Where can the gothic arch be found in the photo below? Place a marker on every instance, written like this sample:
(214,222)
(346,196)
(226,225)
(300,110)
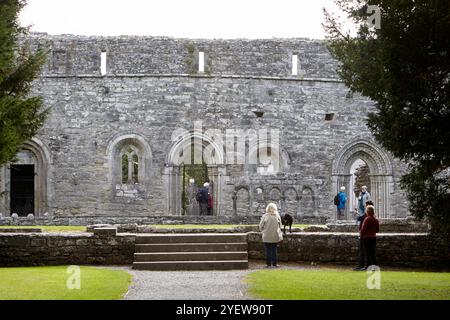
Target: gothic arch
(32,152)
(291,201)
(211,152)
(381,173)
(308,201)
(279,155)
(241,200)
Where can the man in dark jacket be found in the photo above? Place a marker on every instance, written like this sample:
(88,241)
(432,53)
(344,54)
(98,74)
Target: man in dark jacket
(202,198)
(370,228)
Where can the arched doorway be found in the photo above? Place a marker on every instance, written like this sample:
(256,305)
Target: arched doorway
(25,182)
(192,153)
(363,152)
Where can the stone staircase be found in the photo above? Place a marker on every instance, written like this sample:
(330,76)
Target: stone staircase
(200,251)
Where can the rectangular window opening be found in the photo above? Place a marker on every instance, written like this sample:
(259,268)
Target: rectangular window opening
(103,63)
(294,65)
(201,62)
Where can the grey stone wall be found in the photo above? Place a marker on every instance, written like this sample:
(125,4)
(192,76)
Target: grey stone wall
(393,249)
(403,250)
(57,249)
(152,88)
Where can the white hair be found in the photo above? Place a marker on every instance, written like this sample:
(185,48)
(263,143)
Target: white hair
(364,187)
(206,184)
(342,188)
(272,208)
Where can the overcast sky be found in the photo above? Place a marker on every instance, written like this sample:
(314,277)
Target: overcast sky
(179,18)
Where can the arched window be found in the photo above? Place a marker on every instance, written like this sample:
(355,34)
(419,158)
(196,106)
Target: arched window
(130,160)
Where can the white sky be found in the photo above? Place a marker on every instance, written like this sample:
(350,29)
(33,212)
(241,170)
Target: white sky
(177,18)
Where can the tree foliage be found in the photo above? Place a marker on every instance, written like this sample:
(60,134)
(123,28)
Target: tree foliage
(20,115)
(403,65)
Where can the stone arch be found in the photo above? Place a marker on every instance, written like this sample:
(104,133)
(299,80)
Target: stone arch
(380,167)
(276,197)
(116,148)
(241,201)
(279,157)
(291,201)
(258,200)
(307,202)
(212,153)
(32,152)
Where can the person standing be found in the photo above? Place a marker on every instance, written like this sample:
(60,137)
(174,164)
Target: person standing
(370,228)
(342,199)
(364,196)
(202,199)
(270,227)
(361,255)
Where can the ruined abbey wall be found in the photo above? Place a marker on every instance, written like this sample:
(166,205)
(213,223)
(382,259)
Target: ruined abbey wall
(152,87)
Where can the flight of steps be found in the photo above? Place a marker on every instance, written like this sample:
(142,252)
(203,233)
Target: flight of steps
(198,251)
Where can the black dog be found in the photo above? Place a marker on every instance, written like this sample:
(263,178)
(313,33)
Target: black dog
(287,220)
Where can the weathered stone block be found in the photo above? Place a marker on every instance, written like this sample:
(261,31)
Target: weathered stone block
(105,232)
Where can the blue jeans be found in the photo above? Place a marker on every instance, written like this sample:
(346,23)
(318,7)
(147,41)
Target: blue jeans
(271,253)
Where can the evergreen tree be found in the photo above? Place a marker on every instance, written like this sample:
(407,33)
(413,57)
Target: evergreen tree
(400,59)
(20,115)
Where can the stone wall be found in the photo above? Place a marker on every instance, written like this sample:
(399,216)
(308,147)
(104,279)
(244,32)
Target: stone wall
(83,220)
(152,88)
(403,250)
(57,249)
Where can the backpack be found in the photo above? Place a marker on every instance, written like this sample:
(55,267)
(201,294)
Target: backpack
(199,196)
(336,200)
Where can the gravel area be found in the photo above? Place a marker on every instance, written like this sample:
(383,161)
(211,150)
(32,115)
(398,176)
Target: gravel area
(187,285)
(194,285)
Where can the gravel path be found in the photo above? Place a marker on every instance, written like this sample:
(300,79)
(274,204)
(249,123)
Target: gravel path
(193,285)
(187,285)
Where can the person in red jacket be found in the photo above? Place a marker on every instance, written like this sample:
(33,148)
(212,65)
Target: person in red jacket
(370,228)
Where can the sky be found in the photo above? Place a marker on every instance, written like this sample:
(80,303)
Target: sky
(177,18)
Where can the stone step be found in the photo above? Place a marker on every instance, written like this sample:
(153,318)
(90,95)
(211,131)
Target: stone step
(191,265)
(190,256)
(191,238)
(192,247)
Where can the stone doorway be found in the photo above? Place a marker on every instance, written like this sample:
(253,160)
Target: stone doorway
(22,189)
(25,182)
(193,149)
(379,175)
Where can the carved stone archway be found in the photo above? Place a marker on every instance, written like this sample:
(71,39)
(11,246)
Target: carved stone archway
(212,154)
(32,152)
(381,174)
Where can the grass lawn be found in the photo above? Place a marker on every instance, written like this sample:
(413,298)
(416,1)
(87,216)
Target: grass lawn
(347,285)
(50,283)
(53,228)
(209,226)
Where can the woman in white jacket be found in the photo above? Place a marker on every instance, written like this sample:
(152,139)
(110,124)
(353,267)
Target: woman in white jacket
(270,227)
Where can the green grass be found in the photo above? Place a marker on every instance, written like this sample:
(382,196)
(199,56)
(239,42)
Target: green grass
(196,226)
(53,228)
(50,283)
(210,226)
(160,226)
(347,285)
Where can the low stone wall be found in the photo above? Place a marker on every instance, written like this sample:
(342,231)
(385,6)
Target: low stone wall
(106,247)
(404,250)
(142,220)
(20,249)
(386,226)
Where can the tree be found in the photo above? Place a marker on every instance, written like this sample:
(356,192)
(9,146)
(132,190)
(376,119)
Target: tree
(20,115)
(403,65)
